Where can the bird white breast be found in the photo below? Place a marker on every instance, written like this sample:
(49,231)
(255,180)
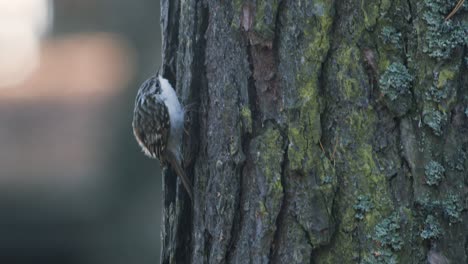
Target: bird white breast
(176,114)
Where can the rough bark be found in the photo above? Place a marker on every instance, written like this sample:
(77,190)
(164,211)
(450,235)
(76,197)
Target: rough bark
(319,131)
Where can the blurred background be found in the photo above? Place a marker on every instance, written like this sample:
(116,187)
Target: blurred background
(74,186)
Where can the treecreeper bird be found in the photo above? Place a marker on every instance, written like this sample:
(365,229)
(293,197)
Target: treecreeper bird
(158,124)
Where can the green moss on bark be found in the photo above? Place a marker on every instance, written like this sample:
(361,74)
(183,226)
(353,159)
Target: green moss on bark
(246,116)
(347,58)
(305,132)
(360,175)
(268,157)
(265,18)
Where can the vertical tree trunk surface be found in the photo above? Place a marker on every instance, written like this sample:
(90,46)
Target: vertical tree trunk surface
(319,131)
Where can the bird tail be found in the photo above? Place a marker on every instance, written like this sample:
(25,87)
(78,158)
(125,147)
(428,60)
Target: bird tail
(176,165)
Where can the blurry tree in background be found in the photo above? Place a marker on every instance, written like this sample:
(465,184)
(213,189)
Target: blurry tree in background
(74,187)
(326,131)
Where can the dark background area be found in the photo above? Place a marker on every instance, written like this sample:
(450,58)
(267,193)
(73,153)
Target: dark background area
(74,186)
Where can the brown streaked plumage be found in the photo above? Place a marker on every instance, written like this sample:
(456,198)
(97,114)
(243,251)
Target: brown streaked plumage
(158,125)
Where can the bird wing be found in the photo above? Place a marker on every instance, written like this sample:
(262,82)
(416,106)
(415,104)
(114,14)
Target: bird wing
(159,127)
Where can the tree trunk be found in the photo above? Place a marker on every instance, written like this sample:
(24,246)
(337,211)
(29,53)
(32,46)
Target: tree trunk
(319,131)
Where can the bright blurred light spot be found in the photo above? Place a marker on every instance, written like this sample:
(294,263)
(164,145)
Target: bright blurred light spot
(33,14)
(52,122)
(22,23)
(77,67)
(19,55)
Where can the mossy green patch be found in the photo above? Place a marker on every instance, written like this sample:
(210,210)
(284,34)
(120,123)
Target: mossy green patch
(363,182)
(347,58)
(362,124)
(236,19)
(304,133)
(346,249)
(238,5)
(370,10)
(443,91)
(246,116)
(362,172)
(303,137)
(265,18)
(261,209)
(319,39)
(326,174)
(445,76)
(268,156)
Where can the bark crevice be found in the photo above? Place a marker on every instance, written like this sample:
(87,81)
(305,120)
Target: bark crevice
(273,256)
